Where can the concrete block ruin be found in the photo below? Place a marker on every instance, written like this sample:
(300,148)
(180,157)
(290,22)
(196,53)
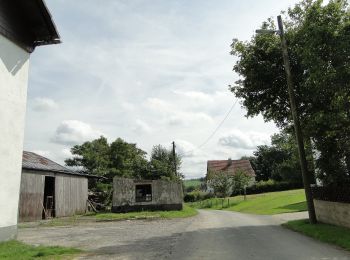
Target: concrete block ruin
(137,195)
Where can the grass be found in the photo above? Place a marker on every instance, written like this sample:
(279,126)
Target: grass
(192,182)
(264,204)
(97,217)
(19,251)
(185,212)
(335,235)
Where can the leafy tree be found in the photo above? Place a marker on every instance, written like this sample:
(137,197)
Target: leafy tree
(162,164)
(119,158)
(240,180)
(318,38)
(221,182)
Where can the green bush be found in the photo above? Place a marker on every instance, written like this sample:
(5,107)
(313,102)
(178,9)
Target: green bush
(197,195)
(271,185)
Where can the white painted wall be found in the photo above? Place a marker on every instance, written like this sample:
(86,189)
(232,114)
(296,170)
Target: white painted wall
(14,63)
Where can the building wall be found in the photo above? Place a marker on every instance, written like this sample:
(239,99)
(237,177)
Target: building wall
(166,195)
(71,194)
(335,213)
(14,63)
(31,196)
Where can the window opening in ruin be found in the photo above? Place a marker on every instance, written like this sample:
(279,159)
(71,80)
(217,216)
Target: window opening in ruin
(143,193)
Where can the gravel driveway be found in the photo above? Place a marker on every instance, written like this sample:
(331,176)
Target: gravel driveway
(209,235)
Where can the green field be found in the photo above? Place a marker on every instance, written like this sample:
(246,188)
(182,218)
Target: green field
(264,204)
(339,236)
(19,251)
(192,182)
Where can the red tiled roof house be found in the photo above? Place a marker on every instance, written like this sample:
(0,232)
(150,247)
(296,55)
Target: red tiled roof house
(231,167)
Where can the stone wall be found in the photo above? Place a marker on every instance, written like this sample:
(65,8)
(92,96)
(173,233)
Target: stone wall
(166,195)
(335,213)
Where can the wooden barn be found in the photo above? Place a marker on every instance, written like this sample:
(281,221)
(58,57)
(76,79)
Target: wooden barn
(50,190)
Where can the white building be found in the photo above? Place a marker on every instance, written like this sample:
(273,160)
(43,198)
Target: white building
(24,24)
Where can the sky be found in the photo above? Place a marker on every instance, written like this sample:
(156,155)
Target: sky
(147,71)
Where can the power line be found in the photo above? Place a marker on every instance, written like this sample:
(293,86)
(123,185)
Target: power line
(214,132)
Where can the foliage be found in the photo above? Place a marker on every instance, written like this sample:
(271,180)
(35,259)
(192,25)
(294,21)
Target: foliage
(240,180)
(197,195)
(265,204)
(335,235)
(270,186)
(318,37)
(221,182)
(123,159)
(162,164)
(18,250)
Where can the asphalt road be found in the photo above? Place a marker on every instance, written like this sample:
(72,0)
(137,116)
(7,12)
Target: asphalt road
(209,235)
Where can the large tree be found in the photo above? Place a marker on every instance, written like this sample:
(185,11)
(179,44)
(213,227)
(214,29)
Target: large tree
(318,37)
(119,158)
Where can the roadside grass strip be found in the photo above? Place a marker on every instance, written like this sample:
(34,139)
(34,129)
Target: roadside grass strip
(264,204)
(185,212)
(331,234)
(19,251)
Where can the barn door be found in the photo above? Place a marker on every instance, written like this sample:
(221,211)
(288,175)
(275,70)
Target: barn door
(49,198)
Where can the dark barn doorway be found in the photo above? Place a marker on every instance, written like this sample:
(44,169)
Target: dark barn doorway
(143,193)
(49,198)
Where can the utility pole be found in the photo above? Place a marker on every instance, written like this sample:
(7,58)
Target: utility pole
(174,156)
(298,132)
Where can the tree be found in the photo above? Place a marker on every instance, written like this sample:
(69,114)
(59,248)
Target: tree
(221,182)
(119,158)
(318,39)
(162,164)
(240,180)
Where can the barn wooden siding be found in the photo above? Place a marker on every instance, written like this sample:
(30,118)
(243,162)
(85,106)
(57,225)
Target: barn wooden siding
(71,194)
(31,197)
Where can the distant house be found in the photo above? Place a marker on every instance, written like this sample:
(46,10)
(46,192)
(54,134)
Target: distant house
(50,190)
(230,167)
(24,24)
(137,195)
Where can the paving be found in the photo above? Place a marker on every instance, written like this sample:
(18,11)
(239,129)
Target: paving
(212,234)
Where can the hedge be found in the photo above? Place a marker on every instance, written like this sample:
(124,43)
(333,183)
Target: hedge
(270,185)
(332,193)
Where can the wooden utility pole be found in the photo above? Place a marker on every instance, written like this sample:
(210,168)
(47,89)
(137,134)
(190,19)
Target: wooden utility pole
(298,132)
(174,156)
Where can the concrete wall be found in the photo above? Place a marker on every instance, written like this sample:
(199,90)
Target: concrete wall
(14,63)
(335,213)
(166,195)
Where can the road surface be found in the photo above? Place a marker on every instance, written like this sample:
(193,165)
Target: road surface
(209,235)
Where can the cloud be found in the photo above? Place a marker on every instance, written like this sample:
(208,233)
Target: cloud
(44,104)
(42,153)
(72,132)
(142,127)
(244,140)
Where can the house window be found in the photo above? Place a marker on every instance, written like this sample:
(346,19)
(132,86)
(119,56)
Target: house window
(143,192)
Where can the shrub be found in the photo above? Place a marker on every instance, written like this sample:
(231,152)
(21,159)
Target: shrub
(332,193)
(197,195)
(271,185)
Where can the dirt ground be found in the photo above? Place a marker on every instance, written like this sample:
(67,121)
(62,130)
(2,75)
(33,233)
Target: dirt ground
(211,234)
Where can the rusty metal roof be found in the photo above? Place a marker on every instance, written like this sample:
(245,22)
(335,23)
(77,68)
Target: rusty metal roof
(230,166)
(33,161)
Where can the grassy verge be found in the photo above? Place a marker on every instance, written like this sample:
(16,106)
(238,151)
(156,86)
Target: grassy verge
(20,251)
(185,212)
(264,204)
(97,217)
(335,235)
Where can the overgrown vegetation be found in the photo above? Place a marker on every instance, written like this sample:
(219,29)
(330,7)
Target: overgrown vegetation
(318,36)
(19,251)
(265,204)
(335,235)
